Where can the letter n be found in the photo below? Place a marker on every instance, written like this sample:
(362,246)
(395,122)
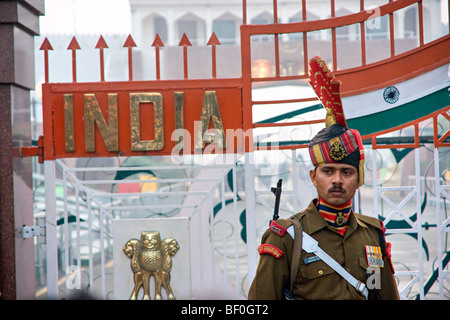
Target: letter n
(93,114)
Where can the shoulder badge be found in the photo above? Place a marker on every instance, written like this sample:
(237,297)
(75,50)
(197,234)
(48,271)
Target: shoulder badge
(275,227)
(270,249)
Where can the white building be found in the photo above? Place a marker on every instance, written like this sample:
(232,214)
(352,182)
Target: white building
(200,18)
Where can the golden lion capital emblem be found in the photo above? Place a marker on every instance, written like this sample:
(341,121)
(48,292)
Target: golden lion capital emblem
(149,257)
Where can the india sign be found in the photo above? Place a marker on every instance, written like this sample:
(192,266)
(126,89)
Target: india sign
(142,118)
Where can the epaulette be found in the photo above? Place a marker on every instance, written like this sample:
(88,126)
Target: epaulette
(377,223)
(279,226)
(300,214)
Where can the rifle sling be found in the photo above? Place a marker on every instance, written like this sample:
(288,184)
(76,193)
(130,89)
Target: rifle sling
(297,250)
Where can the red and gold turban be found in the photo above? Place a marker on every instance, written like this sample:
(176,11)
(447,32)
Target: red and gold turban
(336,143)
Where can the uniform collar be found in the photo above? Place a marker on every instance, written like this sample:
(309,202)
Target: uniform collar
(354,223)
(316,222)
(360,222)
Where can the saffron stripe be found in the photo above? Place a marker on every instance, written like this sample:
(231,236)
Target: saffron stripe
(318,154)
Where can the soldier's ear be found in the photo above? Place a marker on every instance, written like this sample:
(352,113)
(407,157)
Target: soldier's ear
(312,175)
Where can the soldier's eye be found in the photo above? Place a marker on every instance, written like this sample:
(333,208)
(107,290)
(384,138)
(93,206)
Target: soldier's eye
(348,172)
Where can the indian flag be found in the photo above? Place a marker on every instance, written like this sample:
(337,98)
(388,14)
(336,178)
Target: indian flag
(397,104)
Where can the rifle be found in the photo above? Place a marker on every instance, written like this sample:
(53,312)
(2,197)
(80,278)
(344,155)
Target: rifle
(287,293)
(277,192)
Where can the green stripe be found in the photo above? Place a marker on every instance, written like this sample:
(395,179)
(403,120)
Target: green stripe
(400,115)
(381,120)
(292,114)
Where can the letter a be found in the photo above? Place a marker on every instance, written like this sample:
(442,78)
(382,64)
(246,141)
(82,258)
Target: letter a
(210,111)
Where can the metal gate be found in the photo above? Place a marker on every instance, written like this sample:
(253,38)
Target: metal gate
(80,221)
(407,208)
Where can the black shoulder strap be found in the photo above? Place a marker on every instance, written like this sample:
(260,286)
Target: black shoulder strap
(382,241)
(383,251)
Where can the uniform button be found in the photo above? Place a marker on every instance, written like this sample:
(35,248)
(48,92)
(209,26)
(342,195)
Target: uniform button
(320,271)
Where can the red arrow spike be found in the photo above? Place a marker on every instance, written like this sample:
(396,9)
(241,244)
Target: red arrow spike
(157,42)
(129,42)
(213,40)
(101,44)
(73,45)
(46,46)
(184,41)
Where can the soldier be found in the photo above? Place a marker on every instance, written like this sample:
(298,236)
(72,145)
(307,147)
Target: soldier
(359,263)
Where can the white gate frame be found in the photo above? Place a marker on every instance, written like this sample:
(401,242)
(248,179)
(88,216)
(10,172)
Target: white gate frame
(416,227)
(442,226)
(220,278)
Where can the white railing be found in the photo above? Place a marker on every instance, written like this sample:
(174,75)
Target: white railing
(443,229)
(412,193)
(86,214)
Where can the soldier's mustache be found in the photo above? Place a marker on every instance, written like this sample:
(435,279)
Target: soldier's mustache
(336,189)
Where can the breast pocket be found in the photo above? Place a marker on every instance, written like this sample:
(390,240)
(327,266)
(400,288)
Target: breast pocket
(315,269)
(363,265)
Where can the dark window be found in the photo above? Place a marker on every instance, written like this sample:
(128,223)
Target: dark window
(190,28)
(160,27)
(225,31)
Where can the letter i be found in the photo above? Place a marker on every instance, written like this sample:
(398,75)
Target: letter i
(179,113)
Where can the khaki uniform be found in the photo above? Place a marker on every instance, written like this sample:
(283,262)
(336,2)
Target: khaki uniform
(315,279)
